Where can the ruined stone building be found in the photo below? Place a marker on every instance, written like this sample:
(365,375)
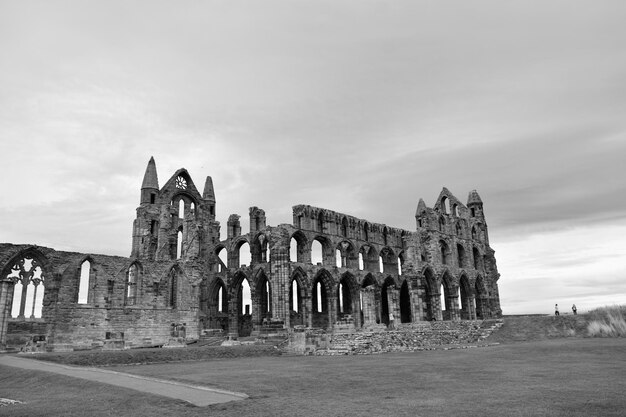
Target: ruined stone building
(184,277)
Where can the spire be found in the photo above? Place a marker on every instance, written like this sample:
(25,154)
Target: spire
(421,206)
(150,179)
(474,198)
(208,194)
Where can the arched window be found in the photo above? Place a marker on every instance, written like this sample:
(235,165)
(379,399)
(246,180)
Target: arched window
(459,230)
(294,295)
(445,205)
(366,232)
(381,267)
(246,298)
(131,284)
(83,284)
(28,290)
(179,244)
(317,253)
(473,232)
(293,250)
(220,300)
(181,209)
(361,264)
(442,223)
(318,289)
(245,256)
(399,266)
(338,259)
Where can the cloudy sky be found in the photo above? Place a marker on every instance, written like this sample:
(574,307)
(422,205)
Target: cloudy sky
(361,107)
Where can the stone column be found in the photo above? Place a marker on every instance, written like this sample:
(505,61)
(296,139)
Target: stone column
(6,296)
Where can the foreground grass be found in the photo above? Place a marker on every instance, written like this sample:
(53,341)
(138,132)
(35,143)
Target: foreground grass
(607,322)
(564,377)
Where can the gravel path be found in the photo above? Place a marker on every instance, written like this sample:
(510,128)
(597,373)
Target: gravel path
(194,394)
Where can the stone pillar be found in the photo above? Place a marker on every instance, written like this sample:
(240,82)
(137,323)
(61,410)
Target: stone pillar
(332,310)
(6,296)
(279,263)
(369,305)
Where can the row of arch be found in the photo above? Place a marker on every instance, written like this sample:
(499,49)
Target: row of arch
(323,300)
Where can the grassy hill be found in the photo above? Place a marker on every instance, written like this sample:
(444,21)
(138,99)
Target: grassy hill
(602,322)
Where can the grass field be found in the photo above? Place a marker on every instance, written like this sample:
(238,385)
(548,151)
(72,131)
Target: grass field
(558,377)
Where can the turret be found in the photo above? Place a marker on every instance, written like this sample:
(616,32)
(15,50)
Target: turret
(209,195)
(420,214)
(475,205)
(150,184)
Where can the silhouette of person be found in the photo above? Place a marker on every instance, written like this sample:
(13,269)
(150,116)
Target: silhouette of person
(574,308)
(556,310)
(391,321)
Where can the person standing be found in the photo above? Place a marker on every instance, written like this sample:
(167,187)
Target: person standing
(574,308)
(391,322)
(556,310)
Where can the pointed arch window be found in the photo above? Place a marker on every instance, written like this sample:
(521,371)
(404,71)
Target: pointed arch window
(83,284)
(132,277)
(28,291)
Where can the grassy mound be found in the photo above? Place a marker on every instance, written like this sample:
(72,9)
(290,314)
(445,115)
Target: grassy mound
(607,322)
(144,356)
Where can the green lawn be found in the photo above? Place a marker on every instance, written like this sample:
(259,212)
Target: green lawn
(563,377)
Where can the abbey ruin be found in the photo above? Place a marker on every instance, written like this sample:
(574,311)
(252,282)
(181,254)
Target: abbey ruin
(184,279)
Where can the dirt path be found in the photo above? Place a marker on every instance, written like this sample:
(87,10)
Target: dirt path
(194,394)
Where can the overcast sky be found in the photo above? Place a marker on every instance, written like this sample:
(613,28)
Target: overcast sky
(361,107)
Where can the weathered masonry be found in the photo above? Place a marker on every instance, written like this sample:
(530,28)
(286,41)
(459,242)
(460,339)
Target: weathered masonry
(184,279)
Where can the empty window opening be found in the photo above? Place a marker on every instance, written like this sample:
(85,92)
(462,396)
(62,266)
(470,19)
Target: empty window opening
(294,295)
(83,285)
(181,209)
(399,266)
(445,205)
(442,223)
(246,299)
(29,288)
(344,227)
(179,244)
(320,223)
(293,250)
(152,198)
(318,290)
(212,210)
(192,208)
(131,285)
(316,253)
(154,227)
(245,256)
(341,298)
(361,264)
(380,264)
(455,210)
(338,259)
(220,302)
(473,232)
(442,298)
(473,211)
